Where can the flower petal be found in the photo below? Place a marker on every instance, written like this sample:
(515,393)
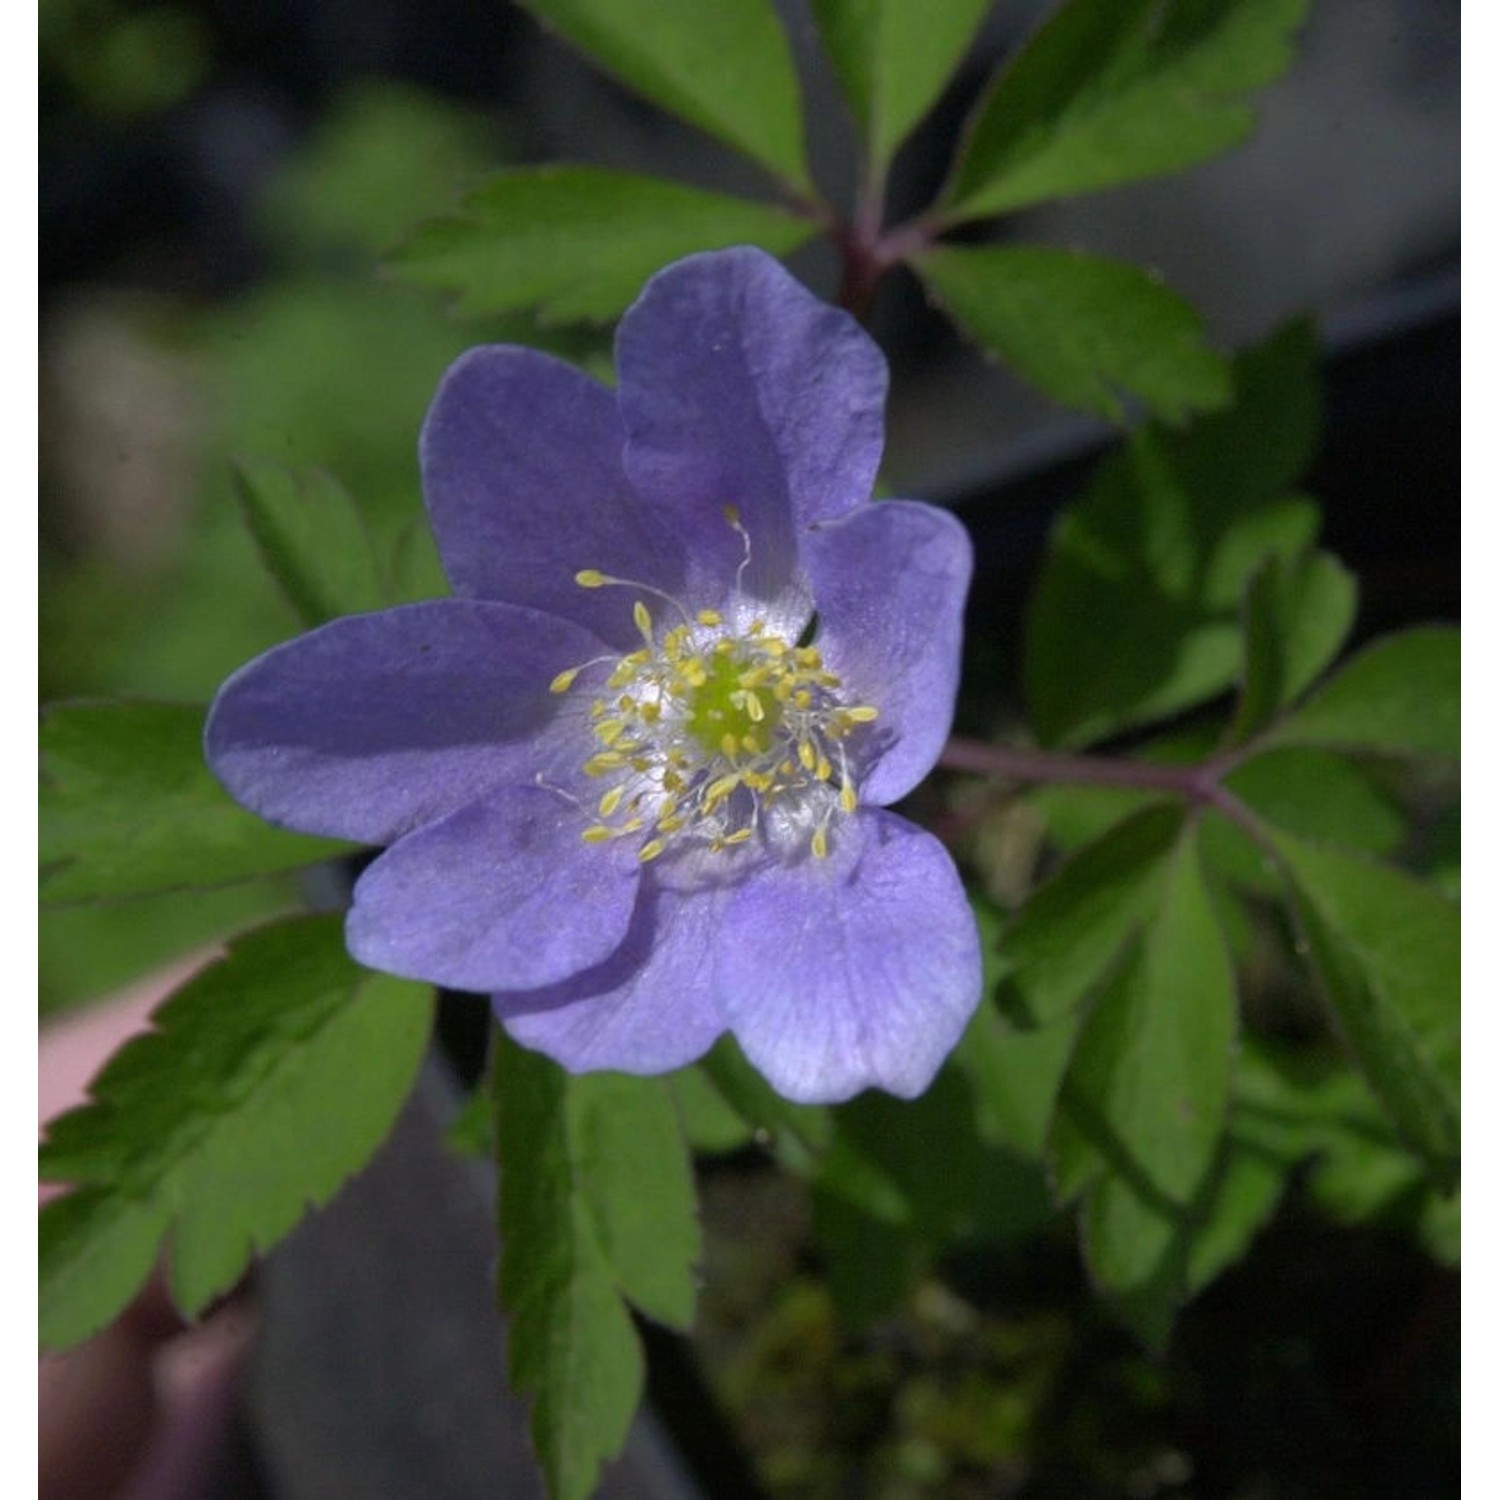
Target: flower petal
(855,972)
(522,473)
(740,388)
(376,724)
(648,1008)
(501,893)
(890,581)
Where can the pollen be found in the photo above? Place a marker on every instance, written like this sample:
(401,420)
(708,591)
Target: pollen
(710,731)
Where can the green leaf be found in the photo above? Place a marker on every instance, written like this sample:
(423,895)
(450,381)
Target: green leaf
(725,68)
(1109,91)
(1143,1109)
(269,1078)
(128,808)
(709,1123)
(1136,614)
(312,540)
(1146,1093)
(596,1205)
(1399,696)
(1241,1200)
(1069,934)
(1311,793)
(576,243)
(1298,614)
(1015,1076)
(634,1172)
(798,1133)
(1385,949)
(1086,330)
(893,58)
(572,1345)
(1305,1101)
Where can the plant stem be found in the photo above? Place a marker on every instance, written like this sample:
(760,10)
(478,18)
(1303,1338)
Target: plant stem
(1200,784)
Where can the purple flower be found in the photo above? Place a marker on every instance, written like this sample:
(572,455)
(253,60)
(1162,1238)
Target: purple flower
(633,777)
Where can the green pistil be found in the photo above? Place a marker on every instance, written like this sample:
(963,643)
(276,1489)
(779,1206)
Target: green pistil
(723,713)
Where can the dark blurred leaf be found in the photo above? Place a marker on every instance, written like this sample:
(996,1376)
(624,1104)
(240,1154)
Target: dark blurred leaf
(268,1079)
(893,58)
(1399,696)
(1108,91)
(1385,949)
(1090,332)
(129,808)
(1136,614)
(312,540)
(576,243)
(709,1123)
(724,68)
(1298,614)
(1068,935)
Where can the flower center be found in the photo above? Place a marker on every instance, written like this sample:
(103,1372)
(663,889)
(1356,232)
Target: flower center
(704,730)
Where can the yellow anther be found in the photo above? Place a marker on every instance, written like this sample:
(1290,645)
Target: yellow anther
(752,706)
(597,833)
(642,617)
(610,801)
(670,825)
(719,790)
(710,617)
(823,770)
(651,849)
(609,730)
(806,754)
(728,744)
(604,761)
(820,843)
(739,836)
(591,578)
(847,798)
(564,680)
(752,744)
(862,713)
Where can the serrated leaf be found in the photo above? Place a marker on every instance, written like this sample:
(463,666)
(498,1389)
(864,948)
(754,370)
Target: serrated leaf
(1068,935)
(1136,612)
(576,243)
(1148,1086)
(1298,614)
(1385,949)
(128,808)
(1088,331)
(572,1346)
(725,68)
(269,1078)
(596,1206)
(1399,696)
(634,1173)
(312,539)
(1110,91)
(893,58)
